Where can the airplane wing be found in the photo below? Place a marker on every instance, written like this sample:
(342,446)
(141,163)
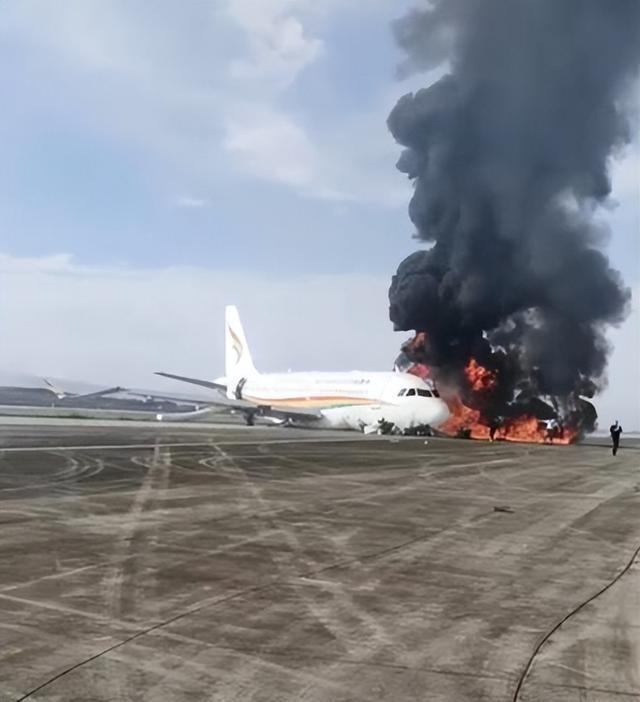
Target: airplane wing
(98,393)
(288,414)
(182,416)
(278,415)
(294,414)
(64,394)
(282,413)
(194,381)
(248,408)
(182,400)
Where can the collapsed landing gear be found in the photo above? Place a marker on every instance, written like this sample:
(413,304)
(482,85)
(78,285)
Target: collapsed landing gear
(418,430)
(379,427)
(385,427)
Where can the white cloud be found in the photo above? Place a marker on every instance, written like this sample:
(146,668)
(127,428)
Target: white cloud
(189,202)
(274,147)
(201,91)
(118,325)
(90,35)
(202,88)
(279,46)
(270,146)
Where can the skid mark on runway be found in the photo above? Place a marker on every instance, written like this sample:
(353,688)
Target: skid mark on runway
(316,580)
(217,665)
(65,609)
(299,655)
(99,447)
(332,603)
(60,575)
(221,600)
(74,470)
(547,640)
(343,619)
(121,581)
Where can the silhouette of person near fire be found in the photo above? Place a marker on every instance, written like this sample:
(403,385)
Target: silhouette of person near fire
(615,430)
(553,430)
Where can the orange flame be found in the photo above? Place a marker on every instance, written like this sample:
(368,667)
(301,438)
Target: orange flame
(480,379)
(468,423)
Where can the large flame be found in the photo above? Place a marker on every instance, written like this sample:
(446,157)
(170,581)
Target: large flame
(480,379)
(466,422)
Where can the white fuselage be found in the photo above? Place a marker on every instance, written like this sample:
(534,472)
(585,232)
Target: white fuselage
(353,400)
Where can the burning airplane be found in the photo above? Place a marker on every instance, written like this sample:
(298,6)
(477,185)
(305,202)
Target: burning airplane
(479,409)
(509,154)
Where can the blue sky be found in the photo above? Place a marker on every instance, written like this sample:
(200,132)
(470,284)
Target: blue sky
(148,144)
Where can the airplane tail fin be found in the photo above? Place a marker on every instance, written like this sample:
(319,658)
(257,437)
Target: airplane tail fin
(238,361)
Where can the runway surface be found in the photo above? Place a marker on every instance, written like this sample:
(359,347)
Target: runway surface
(167,564)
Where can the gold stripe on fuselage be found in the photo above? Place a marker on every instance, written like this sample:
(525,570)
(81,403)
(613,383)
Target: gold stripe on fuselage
(319,401)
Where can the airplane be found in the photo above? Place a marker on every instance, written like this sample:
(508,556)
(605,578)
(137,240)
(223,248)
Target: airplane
(357,400)
(148,397)
(64,395)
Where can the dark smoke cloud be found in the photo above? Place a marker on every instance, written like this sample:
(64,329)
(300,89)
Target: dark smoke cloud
(509,153)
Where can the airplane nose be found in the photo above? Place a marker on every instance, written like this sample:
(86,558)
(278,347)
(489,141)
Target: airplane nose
(443,413)
(434,413)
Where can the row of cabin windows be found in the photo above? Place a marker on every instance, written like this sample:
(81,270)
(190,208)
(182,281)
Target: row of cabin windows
(412,392)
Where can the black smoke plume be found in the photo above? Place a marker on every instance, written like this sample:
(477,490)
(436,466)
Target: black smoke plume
(509,153)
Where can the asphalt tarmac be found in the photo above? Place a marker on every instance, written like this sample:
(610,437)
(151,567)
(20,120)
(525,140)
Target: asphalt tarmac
(166,564)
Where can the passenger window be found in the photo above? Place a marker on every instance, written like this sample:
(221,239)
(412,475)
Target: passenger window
(411,392)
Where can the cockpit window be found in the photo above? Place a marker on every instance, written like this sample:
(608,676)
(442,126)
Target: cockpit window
(436,393)
(411,392)
(402,392)
(424,393)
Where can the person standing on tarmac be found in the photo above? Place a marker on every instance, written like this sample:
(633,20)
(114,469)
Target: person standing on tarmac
(615,430)
(552,430)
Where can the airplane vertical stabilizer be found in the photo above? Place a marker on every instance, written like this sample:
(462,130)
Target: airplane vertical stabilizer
(238,361)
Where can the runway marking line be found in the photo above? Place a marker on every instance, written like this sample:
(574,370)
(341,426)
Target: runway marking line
(204,444)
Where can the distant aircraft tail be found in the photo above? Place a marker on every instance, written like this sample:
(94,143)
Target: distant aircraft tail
(238,362)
